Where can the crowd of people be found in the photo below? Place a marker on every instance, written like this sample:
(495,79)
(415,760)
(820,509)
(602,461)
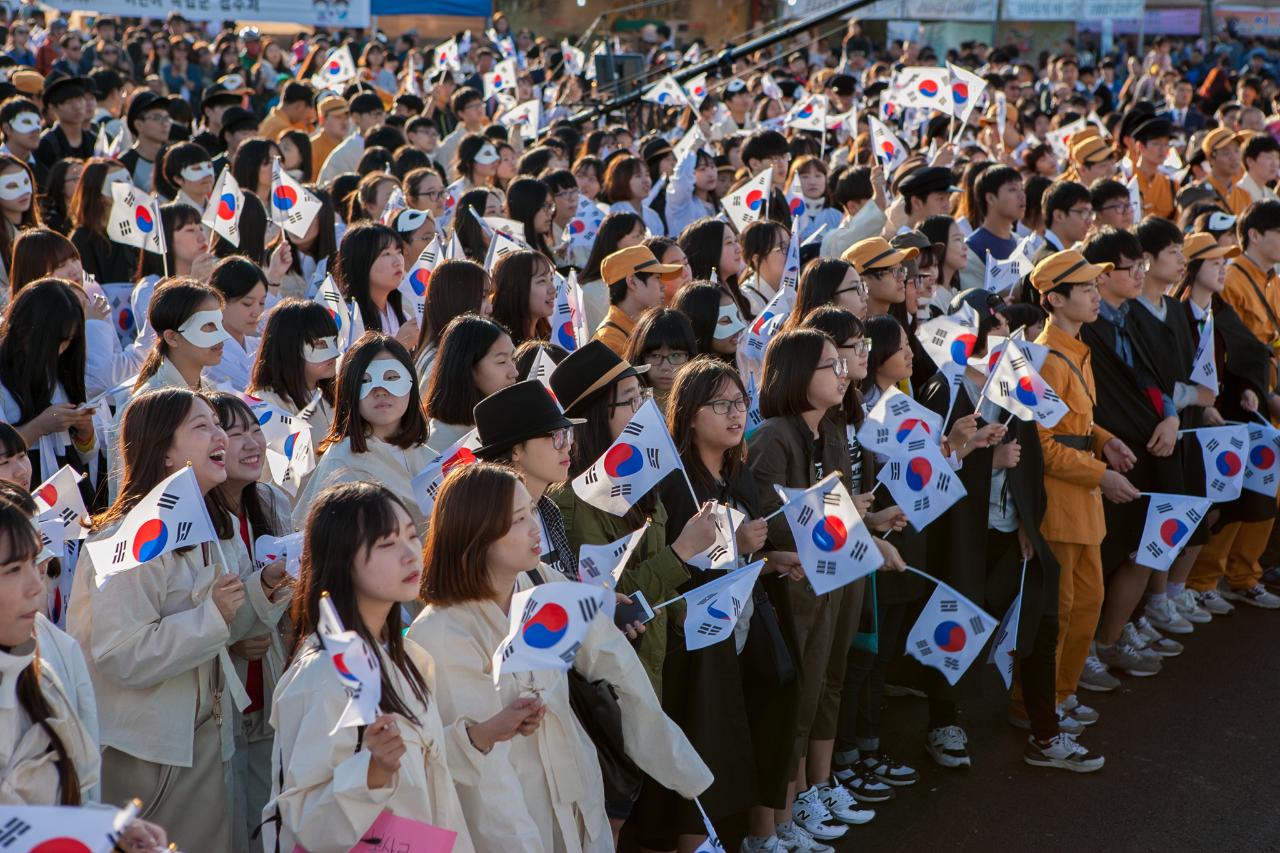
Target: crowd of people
(1128,197)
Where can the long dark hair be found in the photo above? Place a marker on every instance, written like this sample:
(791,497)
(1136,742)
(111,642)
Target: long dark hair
(819,281)
(174,215)
(302,142)
(347,422)
(700,302)
(173,302)
(789,362)
(39,319)
(841,325)
(233,412)
(360,247)
(703,243)
(30,216)
(512,276)
(90,209)
(886,338)
(55,202)
(280,366)
(344,521)
(248,160)
(37,252)
(525,199)
(457,288)
(252,234)
(592,439)
(466,226)
(452,392)
(695,386)
(614,227)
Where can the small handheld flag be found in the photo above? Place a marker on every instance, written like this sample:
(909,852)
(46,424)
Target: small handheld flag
(1004,648)
(548,624)
(667,93)
(293,207)
(713,609)
(723,553)
(831,540)
(337,70)
(638,460)
(891,420)
(1223,450)
(966,88)
(59,498)
(747,203)
(1204,367)
(920,479)
(1171,519)
(426,485)
(358,667)
(1017,387)
(889,149)
(135,219)
(1264,452)
(269,549)
(950,633)
(947,340)
(222,215)
(413,288)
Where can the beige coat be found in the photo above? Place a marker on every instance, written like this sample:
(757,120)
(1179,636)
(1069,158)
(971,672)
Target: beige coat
(382,463)
(324,802)
(153,639)
(867,222)
(543,793)
(28,763)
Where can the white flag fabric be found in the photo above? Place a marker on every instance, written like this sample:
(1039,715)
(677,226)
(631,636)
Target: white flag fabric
(268,549)
(966,88)
(172,515)
(602,565)
(222,215)
(59,498)
(713,844)
(345,315)
(500,245)
(754,339)
(754,418)
(747,203)
(1204,367)
(1264,451)
(452,195)
(292,205)
(358,668)
(62,829)
(636,462)
(1171,519)
(832,542)
(995,348)
(888,148)
(922,87)
(712,609)
(101,144)
(541,370)
(527,116)
(920,479)
(585,224)
(575,61)
(135,219)
(791,266)
(122,143)
(1017,387)
(447,55)
(891,420)
(696,87)
(947,340)
(809,113)
(1135,198)
(769,87)
(548,625)
(568,320)
(1004,648)
(666,92)
(337,71)
(1223,450)
(795,198)
(1059,138)
(950,633)
(1002,276)
(426,485)
(501,79)
(290,458)
(413,288)
(723,553)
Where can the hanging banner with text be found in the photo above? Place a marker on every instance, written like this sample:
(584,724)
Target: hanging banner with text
(312,13)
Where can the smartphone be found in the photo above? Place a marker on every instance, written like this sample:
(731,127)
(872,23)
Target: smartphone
(637,611)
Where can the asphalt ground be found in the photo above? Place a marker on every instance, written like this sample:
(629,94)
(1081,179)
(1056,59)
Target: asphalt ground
(1192,762)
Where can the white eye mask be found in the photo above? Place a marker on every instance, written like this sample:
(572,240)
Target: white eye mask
(389,375)
(198,172)
(325,349)
(25,122)
(116,176)
(193,329)
(728,323)
(15,186)
(487,155)
(409,221)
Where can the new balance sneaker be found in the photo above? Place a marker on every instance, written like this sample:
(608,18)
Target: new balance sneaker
(889,771)
(1064,753)
(946,745)
(1066,723)
(1095,676)
(1078,711)
(1213,602)
(812,815)
(1190,608)
(1124,657)
(862,783)
(1165,617)
(757,844)
(842,805)
(1157,642)
(1131,636)
(1256,595)
(792,838)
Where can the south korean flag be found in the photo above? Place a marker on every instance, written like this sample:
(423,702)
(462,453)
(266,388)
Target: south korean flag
(1017,387)
(920,479)
(636,462)
(602,565)
(426,484)
(712,610)
(892,419)
(723,553)
(1223,450)
(548,624)
(832,542)
(1171,519)
(1264,454)
(950,633)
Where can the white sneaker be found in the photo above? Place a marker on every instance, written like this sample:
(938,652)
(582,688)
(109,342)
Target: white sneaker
(1213,602)
(1062,752)
(1165,617)
(1067,724)
(813,816)
(843,806)
(1078,711)
(792,838)
(1139,643)
(1190,608)
(946,745)
(1257,595)
(756,844)
(1157,642)
(1096,677)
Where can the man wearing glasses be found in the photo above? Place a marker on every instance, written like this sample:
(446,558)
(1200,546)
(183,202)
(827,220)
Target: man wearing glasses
(634,287)
(148,120)
(1068,213)
(880,266)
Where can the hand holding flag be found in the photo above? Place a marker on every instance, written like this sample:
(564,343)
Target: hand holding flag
(548,624)
(638,460)
(358,667)
(222,215)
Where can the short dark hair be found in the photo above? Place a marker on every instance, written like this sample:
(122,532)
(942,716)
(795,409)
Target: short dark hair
(1105,190)
(420,123)
(295,92)
(764,144)
(789,362)
(1259,144)
(1061,196)
(13,107)
(1157,234)
(992,181)
(365,103)
(1260,216)
(463,98)
(1110,245)
(852,183)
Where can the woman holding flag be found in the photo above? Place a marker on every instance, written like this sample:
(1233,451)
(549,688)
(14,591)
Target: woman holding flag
(543,791)
(186,256)
(296,364)
(368,271)
(155,636)
(107,261)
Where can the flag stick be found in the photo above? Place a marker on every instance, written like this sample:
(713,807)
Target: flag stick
(689,483)
(924,575)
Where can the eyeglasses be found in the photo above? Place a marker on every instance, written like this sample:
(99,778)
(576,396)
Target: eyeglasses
(434,195)
(675,359)
(860,289)
(899,272)
(1137,267)
(722,407)
(567,194)
(635,402)
(838,366)
(1082,212)
(919,282)
(561,438)
(1115,206)
(861,346)
(163,118)
(549,207)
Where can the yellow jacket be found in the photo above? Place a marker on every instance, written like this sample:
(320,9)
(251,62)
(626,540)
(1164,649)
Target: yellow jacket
(615,330)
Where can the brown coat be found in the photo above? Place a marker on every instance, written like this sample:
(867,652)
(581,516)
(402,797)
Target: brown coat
(1072,477)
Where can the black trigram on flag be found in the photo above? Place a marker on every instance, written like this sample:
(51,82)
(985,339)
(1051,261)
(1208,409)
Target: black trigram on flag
(827,567)
(508,650)
(1005,390)
(331,297)
(589,568)
(1237,443)
(951,663)
(977,626)
(126,227)
(570,653)
(13,829)
(184,530)
(167,501)
(944,482)
(295,216)
(754,343)
(858,551)
(895,470)
(899,407)
(949,605)
(831,499)
(708,629)
(651,456)
(805,516)
(1164,507)
(1193,514)
(921,505)
(528,610)
(633,429)
(915,445)
(588,607)
(924,647)
(620,491)
(717,553)
(1154,549)
(1212,445)
(882,435)
(122,549)
(68,516)
(939,337)
(592,475)
(1017,362)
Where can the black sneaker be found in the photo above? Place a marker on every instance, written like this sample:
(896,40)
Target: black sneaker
(889,771)
(862,784)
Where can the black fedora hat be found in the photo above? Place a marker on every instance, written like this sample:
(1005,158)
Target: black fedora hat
(517,413)
(588,371)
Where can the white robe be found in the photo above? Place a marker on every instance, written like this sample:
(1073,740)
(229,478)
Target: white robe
(381,463)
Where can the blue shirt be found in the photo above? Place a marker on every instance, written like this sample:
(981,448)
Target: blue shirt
(982,241)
